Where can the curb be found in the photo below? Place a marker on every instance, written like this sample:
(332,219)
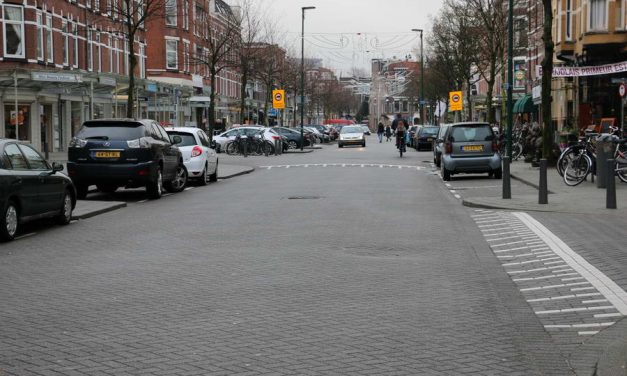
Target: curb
(94,213)
(299,151)
(526,182)
(244,172)
(472,204)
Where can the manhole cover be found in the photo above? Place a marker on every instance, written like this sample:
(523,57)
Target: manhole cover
(303,198)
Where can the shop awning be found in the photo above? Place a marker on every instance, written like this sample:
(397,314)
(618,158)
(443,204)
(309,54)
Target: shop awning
(524,105)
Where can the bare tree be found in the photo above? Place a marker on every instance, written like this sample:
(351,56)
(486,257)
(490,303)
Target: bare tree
(220,48)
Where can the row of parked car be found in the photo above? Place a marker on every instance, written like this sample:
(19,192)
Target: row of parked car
(461,148)
(108,153)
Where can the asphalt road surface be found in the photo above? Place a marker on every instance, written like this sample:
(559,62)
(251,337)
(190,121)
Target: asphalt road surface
(348,261)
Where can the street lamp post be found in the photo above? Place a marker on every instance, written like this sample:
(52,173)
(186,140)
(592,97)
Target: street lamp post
(422,79)
(302,78)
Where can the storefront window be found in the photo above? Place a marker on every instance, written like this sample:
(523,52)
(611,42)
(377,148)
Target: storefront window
(22,121)
(76,117)
(99,111)
(13,31)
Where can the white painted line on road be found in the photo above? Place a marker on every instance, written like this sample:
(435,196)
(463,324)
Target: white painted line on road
(521,263)
(458,197)
(566,274)
(500,233)
(557,286)
(582,289)
(588,333)
(478,215)
(562,270)
(605,315)
(610,290)
(572,279)
(578,309)
(507,237)
(593,325)
(544,253)
(555,262)
(533,278)
(511,249)
(549,258)
(509,243)
(563,297)
(594,301)
(515,256)
(489,221)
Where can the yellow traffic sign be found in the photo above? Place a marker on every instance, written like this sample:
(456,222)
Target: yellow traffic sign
(278,99)
(455,101)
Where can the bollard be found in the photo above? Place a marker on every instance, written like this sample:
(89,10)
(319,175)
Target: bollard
(280,146)
(276,147)
(245,148)
(544,191)
(610,183)
(507,184)
(265,149)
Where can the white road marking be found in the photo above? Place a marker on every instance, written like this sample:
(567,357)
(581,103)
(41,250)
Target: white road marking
(557,286)
(511,249)
(571,326)
(604,315)
(595,301)
(578,309)
(563,297)
(588,333)
(507,237)
(610,290)
(582,289)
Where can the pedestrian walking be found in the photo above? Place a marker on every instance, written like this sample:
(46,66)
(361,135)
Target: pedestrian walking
(388,133)
(380,130)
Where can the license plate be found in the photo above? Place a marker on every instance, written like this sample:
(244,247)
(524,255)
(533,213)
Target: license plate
(429,139)
(472,148)
(107,154)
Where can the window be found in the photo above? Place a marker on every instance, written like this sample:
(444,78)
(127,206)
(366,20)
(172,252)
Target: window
(75,52)
(140,11)
(40,37)
(597,15)
(98,52)
(35,160)
(49,41)
(185,56)
(116,55)
(171,58)
(569,20)
(66,44)
(90,51)
(97,5)
(13,31)
(15,156)
(110,53)
(170,12)
(186,14)
(142,61)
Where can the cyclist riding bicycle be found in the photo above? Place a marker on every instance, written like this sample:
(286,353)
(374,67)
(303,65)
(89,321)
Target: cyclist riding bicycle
(400,134)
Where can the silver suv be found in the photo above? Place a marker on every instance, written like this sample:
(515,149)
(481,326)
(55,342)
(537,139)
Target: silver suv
(470,148)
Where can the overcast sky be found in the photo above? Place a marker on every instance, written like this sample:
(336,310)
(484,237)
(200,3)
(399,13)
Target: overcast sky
(348,33)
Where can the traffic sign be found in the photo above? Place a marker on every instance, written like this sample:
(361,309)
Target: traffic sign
(278,99)
(455,101)
(622,89)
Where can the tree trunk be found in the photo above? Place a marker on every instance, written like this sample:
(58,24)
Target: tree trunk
(212,104)
(468,91)
(242,103)
(547,75)
(488,101)
(131,76)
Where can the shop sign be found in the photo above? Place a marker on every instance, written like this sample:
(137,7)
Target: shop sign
(109,81)
(197,80)
(536,93)
(56,77)
(587,71)
(151,88)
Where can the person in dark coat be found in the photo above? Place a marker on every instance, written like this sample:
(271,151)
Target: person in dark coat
(380,130)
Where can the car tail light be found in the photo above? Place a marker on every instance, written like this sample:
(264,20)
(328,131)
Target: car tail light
(196,151)
(138,143)
(144,172)
(276,137)
(495,147)
(78,142)
(448,148)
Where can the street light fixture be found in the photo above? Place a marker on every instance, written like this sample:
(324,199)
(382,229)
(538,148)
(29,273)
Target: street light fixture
(302,79)
(422,79)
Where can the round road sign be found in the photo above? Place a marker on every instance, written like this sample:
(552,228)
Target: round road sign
(455,98)
(622,89)
(278,97)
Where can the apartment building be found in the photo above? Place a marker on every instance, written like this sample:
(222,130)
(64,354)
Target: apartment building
(389,89)
(60,64)
(178,56)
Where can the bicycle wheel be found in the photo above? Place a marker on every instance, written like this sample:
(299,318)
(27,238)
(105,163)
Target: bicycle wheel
(517,150)
(565,158)
(621,163)
(577,170)
(232,148)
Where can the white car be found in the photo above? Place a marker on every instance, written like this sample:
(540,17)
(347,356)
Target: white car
(200,160)
(225,137)
(352,135)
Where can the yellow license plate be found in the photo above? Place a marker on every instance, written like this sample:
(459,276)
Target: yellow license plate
(429,139)
(472,148)
(107,154)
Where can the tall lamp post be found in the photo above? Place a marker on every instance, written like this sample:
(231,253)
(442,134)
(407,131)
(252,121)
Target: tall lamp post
(422,79)
(302,78)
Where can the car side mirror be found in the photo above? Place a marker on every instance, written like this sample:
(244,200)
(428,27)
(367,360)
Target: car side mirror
(176,139)
(57,167)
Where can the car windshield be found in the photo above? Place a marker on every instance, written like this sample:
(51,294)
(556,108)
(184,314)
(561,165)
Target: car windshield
(188,139)
(352,130)
(430,131)
(471,133)
(111,131)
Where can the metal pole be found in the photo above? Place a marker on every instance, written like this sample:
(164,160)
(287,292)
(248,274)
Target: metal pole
(610,199)
(422,82)
(622,118)
(91,100)
(302,78)
(544,191)
(17,118)
(510,76)
(507,187)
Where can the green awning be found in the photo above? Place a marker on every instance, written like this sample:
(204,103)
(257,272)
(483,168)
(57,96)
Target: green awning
(524,105)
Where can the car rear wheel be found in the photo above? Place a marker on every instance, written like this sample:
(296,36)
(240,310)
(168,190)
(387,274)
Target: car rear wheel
(214,177)
(65,216)
(9,221)
(179,182)
(204,179)
(155,187)
(291,144)
(446,174)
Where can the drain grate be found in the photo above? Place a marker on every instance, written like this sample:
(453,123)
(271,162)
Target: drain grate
(304,198)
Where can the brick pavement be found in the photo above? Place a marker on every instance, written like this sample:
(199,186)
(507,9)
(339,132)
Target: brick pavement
(240,280)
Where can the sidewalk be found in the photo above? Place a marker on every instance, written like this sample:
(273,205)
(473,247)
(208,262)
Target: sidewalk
(89,208)
(585,198)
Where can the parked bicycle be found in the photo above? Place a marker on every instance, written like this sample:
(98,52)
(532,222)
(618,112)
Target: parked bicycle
(581,162)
